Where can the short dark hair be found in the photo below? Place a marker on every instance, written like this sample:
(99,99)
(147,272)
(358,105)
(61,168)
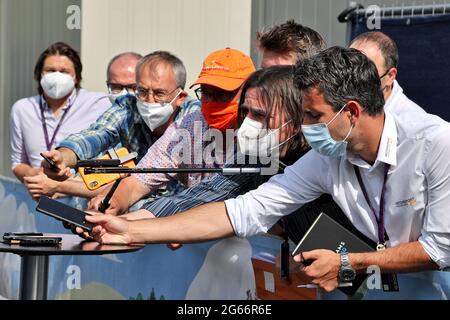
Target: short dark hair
(342,74)
(387,46)
(276,87)
(58,49)
(177,65)
(118,56)
(290,37)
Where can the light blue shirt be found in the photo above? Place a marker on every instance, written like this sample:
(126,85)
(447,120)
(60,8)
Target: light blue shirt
(26,131)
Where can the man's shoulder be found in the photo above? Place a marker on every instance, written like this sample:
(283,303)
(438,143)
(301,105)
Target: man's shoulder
(25,103)
(125,101)
(402,104)
(191,120)
(93,97)
(419,125)
(189,105)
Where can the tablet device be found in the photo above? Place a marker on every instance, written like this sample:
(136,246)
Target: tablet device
(37,240)
(63,212)
(325,233)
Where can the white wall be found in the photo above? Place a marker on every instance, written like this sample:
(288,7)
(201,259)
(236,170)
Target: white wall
(189,29)
(27,28)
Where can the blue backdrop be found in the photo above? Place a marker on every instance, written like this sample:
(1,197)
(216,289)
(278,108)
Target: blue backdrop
(424,69)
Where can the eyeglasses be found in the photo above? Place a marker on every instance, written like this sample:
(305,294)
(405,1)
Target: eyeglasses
(117,87)
(159,96)
(384,74)
(218,95)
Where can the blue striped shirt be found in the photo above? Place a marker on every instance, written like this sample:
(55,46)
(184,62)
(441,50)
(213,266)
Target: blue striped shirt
(120,124)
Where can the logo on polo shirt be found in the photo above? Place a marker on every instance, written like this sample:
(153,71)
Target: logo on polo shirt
(408,202)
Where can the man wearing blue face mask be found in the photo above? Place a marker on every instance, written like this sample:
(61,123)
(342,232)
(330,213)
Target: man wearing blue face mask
(319,138)
(392,181)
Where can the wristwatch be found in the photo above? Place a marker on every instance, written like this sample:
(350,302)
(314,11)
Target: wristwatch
(346,272)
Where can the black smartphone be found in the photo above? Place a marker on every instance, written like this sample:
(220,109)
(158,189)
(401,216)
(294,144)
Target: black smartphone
(35,240)
(52,164)
(9,234)
(63,212)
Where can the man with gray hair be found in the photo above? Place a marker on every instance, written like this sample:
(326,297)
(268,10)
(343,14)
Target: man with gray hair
(127,123)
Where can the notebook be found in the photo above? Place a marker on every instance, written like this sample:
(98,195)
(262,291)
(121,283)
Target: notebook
(325,233)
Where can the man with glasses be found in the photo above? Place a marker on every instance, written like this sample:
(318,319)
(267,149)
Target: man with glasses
(383,52)
(402,163)
(185,142)
(121,75)
(132,122)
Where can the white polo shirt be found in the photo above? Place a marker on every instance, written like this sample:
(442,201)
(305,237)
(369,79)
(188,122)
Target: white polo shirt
(417,198)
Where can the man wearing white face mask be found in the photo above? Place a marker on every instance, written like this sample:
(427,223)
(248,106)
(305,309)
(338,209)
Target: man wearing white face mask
(393,181)
(123,123)
(282,44)
(223,74)
(121,80)
(40,122)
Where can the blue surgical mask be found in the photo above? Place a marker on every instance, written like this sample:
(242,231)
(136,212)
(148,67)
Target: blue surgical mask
(319,138)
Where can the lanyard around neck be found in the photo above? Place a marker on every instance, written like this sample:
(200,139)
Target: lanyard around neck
(49,143)
(380,219)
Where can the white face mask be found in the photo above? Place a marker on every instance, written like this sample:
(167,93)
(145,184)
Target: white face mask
(156,114)
(57,85)
(255,140)
(114,96)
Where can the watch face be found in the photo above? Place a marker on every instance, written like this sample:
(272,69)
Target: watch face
(347,274)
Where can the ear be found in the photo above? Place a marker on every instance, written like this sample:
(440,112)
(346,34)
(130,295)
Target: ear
(392,74)
(181,97)
(354,110)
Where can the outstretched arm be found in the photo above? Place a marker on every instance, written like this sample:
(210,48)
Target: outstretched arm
(203,223)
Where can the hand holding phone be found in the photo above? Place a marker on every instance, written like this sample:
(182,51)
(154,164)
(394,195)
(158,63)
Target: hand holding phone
(52,164)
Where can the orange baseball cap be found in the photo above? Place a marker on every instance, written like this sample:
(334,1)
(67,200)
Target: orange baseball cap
(226,69)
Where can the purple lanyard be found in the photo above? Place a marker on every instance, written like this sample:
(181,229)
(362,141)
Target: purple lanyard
(48,143)
(380,220)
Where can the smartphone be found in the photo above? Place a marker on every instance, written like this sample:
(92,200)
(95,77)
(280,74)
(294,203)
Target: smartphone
(9,234)
(52,164)
(36,240)
(63,212)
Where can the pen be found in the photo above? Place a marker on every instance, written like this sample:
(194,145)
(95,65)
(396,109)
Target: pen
(105,202)
(315,286)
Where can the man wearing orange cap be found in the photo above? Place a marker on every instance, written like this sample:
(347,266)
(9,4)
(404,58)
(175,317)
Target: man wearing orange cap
(223,74)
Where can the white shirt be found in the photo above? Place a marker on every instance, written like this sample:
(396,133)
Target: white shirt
(417,198)
(27,133)
(398,103)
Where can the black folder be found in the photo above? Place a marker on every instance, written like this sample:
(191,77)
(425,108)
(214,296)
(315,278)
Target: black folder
(325,233)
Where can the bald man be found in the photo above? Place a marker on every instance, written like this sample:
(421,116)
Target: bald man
(121,74)
(383,52)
